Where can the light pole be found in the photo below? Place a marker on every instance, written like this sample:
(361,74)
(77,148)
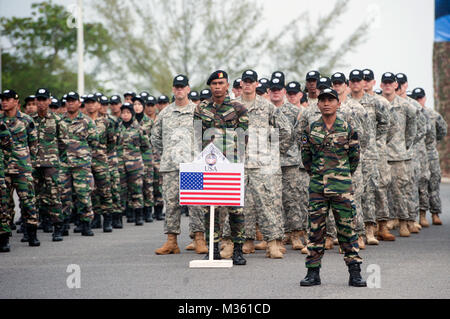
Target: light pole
(80,47)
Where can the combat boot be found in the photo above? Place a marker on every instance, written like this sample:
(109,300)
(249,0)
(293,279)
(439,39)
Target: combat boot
(117,221)
(129,212)
(296,241)
(58,232)
(66,227)
(287,239)
(273,250)
(370,236)
(436,220)
(413,229)
(25,237)
(261,245)
(78,226)
(216,253)
(329,243)
(227,249)
(305,250)
(185,210)
(32,236)
(281,246)
(47,226)
(4,243)
(383,231)
(97,221)
(249,247)
(238,258)
(86,228)
(404,231)
(169,247)
(191,246)
(312,278)
(139,221)
(423,219)
(148,218)
(107,223)
(158,213)
(259,236)
(200,243)
(361,243)
(355,279)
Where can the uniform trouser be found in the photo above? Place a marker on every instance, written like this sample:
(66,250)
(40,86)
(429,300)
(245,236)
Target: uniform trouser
(381,193)
(398,190)
(131,182)
(434,187)
(293,191)
(48,192)
(115,188)
(5,217)
(157,184)
(80,182)
(413,167)
(236,220)
(263,205)
(343,210)
(172,221)
(101,196)
(424,178)
(148,185)
(23,184)
(368,196)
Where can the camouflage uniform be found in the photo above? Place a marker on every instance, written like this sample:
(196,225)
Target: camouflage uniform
(330,157)
(18,168)
(47,167)
(147,157)
(113,165)
(79,140)
(224,119)
(397,155)
(263,196)
(157,179)
(5,150)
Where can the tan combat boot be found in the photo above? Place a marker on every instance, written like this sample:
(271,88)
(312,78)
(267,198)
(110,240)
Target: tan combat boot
(370,236)
(200,243)
(227,251)
(329,243)
(191,246)
(413,229)
(261,246)
(281,246)
(361,243)
(336,241)
(423,219)
(383,231)
(169,247)
(248,247)
(436,220)
(296,241)
(259,236)
(287,239)
(273,250)
(404,231)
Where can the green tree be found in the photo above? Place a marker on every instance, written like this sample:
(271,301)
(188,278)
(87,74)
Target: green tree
(41,51)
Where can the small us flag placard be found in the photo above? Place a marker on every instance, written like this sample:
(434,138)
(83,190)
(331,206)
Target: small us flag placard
(221,184)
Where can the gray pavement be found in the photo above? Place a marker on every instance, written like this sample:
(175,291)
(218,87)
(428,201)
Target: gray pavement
(122,264)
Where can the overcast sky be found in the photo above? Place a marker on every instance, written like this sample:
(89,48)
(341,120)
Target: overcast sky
(400,40)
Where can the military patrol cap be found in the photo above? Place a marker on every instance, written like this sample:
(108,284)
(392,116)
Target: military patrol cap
(194,96)
(261,88)
(237,83)
(91,98)
(323,83)
(418,93)
(163,99)
(181,80)
(356,75)
(328,92)
(104,100)
(293,87)
(30,98)
(150,100)
(205,94)
(313,75)
(278,75)
(144,94)
(115,99)
(55,103)
(368,75)
(388,77)
(378,91)
(129,93)
(128,106)
(250,75)
(73,96)
(9,94)
(98,95)
(219,74)
(401,78)
(276,83)
(338,77)
(409,93)
(138,98)
(264,81)
(42,92)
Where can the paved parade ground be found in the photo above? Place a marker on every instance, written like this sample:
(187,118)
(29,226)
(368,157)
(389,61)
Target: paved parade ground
(122,264)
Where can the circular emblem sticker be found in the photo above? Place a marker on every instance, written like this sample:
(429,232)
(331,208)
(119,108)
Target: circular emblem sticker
(211,159)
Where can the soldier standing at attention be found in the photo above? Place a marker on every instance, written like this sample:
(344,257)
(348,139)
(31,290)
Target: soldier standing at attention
(5,218)
(330,154)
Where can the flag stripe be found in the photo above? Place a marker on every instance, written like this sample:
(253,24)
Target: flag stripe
(225,174)
(209,204)
(220,179)
(204,193)
(222,184)
(211,198)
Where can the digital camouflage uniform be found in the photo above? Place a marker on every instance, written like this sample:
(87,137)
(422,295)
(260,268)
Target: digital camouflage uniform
(18,168)
(47,167)
(147,157)
(221,122)
(79,140)
(330,157)
(5,151)
(113,165)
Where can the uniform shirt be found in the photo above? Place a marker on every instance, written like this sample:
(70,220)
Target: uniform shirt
(438,130)
(5,150)
(112,148)
(24,143)
(49,140)
(330,156)
(292,156)
(79,138)
(392,126)
(421,126)
(146,127)
(131,145)
(106,140)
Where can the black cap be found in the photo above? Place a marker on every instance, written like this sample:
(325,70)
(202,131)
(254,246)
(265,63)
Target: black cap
(104,100)
(98,95)
(378,91)
(276,83)
(205,94)
(388,77)
(323,83)
(144,94)
(73,96)
(194,96)
(328,92)
(401,78)
(163,99)
(30,98)
(279,75)
(91,98)
(261,88)
(250,75)
(129,93)
(293,87)
(356,75)
(368,75)
(180,80)
(115,99)
(237,83)
(313,75)
(150,100)
(55,103)
(418,93)
(138,98)
(9,94)
(219,74)
(409,94)
(264,81)
(129,107)
(338,77)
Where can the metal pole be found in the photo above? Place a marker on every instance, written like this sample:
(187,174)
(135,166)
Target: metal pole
(1,74)
(80,47)
(211,233)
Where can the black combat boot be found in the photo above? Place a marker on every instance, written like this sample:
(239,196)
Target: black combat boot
(148,215)
(355,279)
(66,227)
(216,252)
(139,221)
(78,227)
(12,226)
(25,237)
(86,228)
(312,277)
(32,236)
(117,221)
(4,243)
(58,232)
(97,221)
(47,225)
(130,215)
(107,221)
(238,258)
(158,213)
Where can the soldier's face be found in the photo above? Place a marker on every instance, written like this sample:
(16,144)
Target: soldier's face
(237,91)
(368,85)
(91,107)
(277,95)
(138,108)
(247,87)
(115,107)
(128,99)
(356,86)
(219,88)
(294,98)
(73,106)
(181,92)
(311,85)
(103,109)
(339,87)
(422,101)
(42,104)
(150,110)
(328,105)
(126,115)
(31,107)
(388,87)
(9,104)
